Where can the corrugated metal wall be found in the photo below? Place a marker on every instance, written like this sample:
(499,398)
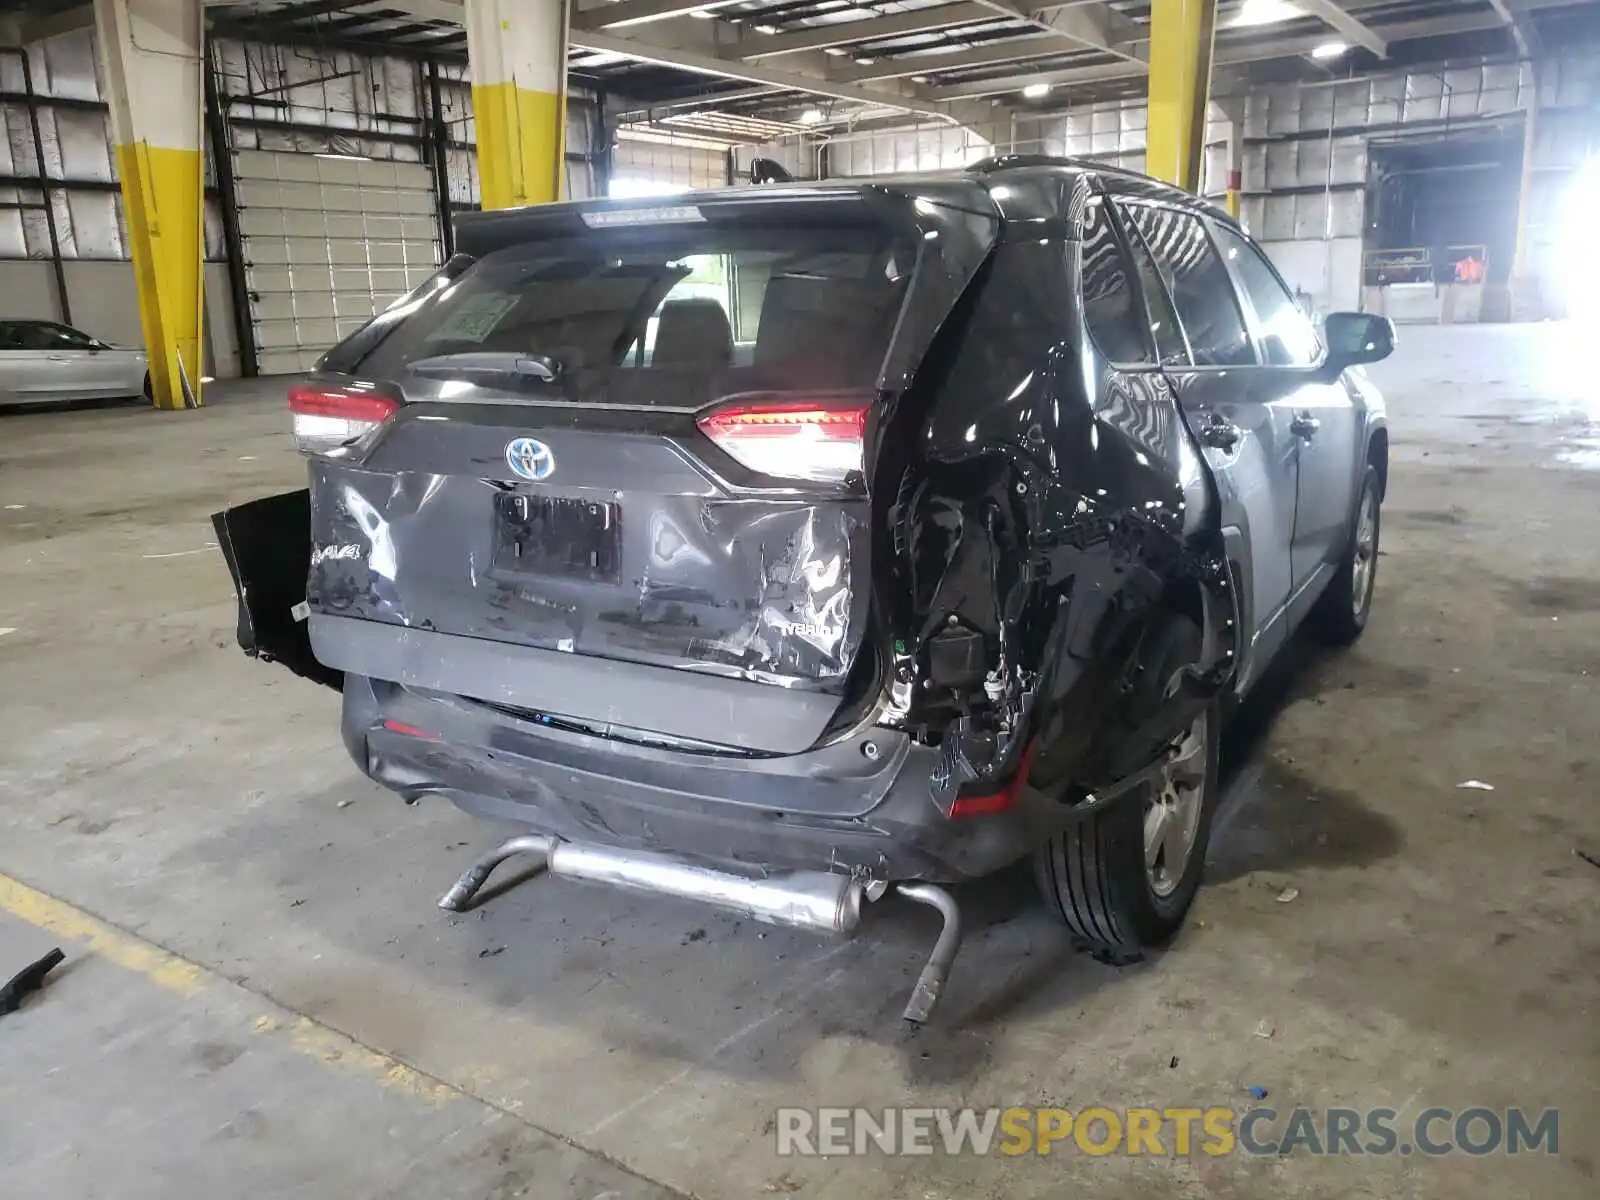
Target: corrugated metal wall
(75,129)
(638,165)
(289,99)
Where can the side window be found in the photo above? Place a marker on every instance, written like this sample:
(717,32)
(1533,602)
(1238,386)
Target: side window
(1202,290)
(1110,304)
(1287,338)
(64,337)
(32,336)
(1171,347)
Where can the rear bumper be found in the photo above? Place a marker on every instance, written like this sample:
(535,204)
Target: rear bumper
(840,808)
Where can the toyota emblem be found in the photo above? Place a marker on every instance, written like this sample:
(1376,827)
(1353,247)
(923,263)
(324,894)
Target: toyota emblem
(530,458)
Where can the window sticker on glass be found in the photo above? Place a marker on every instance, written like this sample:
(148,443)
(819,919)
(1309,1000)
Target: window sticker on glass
(475,319)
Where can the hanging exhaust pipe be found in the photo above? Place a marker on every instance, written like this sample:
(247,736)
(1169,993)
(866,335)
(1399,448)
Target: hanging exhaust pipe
(816,900)
(821,901)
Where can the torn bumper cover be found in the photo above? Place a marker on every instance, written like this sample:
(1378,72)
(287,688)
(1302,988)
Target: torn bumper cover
(267,544)
(860,805)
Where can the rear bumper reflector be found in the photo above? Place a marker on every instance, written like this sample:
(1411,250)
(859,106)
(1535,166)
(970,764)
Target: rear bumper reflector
(410,730)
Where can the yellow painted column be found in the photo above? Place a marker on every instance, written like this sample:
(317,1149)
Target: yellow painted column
(150,55)
(1235,179)
(517,56)
(1181,37)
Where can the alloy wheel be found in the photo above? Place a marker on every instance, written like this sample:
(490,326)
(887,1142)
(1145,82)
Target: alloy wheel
(1364,570)
(1172,814)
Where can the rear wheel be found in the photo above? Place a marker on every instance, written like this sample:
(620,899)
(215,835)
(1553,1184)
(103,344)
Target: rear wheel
(1123,879)
(148,392)
(1341,613)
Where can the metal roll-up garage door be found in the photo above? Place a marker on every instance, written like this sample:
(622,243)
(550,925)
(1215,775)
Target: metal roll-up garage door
(328,241)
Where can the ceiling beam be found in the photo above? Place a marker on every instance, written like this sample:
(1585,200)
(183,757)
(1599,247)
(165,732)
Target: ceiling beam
(1235,54)
(956,58)
(1521,29)
(606,15)
(33,27)
(707,63)
(1100,73)
(1337,16)
(1084,25)
(846,33)
(649,112)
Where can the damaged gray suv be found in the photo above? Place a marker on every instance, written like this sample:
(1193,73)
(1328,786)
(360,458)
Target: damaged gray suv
(793,548)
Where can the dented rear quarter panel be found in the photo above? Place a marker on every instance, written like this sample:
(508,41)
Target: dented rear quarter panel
(1059,507)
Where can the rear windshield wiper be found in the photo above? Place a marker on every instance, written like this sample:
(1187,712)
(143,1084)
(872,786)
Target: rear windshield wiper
(489,364)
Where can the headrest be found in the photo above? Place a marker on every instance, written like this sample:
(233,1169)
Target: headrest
(693,333)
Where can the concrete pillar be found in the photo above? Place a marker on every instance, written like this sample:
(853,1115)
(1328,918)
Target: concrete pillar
(151,56)
(517,55)
(1181,36)
(1521,300)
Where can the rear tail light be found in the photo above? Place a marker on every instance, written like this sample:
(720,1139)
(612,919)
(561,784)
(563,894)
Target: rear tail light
(325,418)
(987,801)
(819,440)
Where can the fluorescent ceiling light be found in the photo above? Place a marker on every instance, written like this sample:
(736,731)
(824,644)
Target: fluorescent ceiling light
(919,79)
(1266,12)
(836,51)
(1034,90)
(1329,50)
(811,116)
(769,29)
(703,14)
(865,61)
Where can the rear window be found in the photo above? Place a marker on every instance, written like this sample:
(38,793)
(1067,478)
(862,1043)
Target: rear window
(700,314)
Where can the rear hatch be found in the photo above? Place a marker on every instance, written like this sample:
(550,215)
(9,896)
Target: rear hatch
(619,468)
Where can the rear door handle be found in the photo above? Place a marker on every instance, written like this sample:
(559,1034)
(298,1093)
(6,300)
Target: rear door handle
(1219,433)
(1304,426)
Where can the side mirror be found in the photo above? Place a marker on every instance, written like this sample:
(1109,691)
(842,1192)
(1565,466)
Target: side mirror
(1355,338)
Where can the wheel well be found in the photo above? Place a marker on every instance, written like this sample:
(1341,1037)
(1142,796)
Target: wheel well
(1378,456)
(1184,596)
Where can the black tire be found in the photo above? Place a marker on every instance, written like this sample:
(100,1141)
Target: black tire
(149,393)
(1093,874)
(1341,614)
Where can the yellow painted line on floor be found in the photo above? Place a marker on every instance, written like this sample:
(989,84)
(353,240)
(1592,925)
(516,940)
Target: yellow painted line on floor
(183,977)
(305,1035)
(169,971)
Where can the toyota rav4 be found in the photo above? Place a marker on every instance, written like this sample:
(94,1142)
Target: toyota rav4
(790,547)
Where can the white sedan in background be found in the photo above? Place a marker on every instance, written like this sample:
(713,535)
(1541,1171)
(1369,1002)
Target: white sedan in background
(41,361)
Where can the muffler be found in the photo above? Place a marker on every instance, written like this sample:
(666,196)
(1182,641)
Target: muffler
(817,900)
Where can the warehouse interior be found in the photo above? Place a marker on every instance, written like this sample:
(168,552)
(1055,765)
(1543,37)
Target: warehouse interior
(259,995)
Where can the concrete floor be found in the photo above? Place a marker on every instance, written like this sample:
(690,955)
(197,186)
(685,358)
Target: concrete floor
(263,1000)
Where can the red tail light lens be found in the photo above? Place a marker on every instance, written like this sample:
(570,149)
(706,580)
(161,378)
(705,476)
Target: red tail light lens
(325,418)
(819,440)
(983,804)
